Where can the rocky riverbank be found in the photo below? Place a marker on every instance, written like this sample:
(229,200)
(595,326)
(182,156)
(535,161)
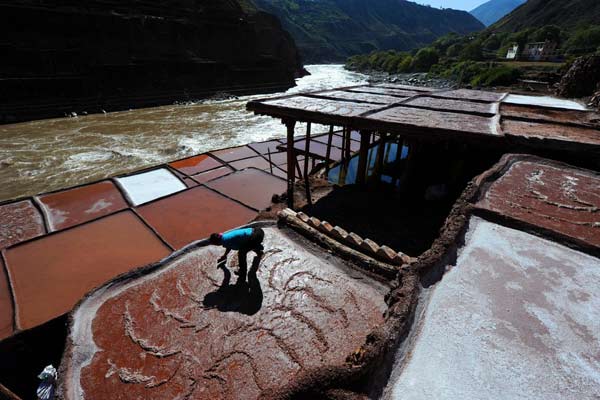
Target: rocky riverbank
(415,79)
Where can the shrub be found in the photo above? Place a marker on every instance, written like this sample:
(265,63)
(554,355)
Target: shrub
(503,51)
(496,76)
(472,52)
(521,37)
(548,32)
(463,71)
(406,64)
(425,59)
(454,50)
(583,40)
(390,65)
(492,43)
(443,43)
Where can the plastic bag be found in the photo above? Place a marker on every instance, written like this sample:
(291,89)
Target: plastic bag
(45,390)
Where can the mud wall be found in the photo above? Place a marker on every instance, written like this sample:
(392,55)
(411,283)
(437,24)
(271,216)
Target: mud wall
(63,57)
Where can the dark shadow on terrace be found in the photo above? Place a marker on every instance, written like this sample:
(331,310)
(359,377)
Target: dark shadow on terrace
(409,191)
(244,297)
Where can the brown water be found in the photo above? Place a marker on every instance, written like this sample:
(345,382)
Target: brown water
(45,155)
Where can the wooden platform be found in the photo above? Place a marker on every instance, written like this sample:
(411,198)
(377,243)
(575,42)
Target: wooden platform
(426,113)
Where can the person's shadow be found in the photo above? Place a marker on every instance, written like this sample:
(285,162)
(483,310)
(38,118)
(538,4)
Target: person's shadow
(242,297)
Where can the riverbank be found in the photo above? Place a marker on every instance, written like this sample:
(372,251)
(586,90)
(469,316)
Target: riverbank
(414,79)
(534,78)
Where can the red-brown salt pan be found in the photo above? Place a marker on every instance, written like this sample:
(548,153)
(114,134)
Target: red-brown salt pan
(256,162)
(555,197)
(195,165)
(251,187)
(189,182)
(235,153)
(19,221)
(194,214)
(264,147)
(186,332)
(6,306)
(51,274)
(75,206)
(212,174)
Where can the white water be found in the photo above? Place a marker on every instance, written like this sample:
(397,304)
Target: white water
(45,155)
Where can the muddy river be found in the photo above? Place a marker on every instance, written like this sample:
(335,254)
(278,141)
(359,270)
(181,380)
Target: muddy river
(45,155)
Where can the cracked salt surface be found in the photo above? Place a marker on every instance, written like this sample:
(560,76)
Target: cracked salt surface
(517,317)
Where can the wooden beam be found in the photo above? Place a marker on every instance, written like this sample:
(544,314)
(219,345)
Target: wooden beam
(270,161)
(306,156)
(298,167)
(363,155)
(291,176)
(328,153)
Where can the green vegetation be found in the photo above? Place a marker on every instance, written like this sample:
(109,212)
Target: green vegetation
(584,40)
(480,59)
(332,30)
(568,15)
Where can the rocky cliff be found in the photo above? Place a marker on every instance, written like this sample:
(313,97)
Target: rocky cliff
(333,30)
(73,56)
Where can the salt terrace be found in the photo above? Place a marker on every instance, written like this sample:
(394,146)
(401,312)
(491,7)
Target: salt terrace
(162,335)
(503,304)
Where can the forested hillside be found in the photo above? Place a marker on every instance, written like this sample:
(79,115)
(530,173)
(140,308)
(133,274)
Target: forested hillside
(567,14)
(331,30)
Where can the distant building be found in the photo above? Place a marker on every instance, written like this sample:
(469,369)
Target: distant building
(539,51)
(512,53)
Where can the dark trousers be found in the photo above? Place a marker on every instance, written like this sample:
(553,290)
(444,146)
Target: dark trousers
(254,244)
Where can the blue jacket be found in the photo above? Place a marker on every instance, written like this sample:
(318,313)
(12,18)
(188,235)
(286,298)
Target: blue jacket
(236,239)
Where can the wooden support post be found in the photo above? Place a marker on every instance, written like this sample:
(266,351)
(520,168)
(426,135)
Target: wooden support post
(270,161)
(328,153)
(290,125)
(363,155)
(380,156)
(348,147)
(343,145)
(298,167)
(306,157)
(398,162)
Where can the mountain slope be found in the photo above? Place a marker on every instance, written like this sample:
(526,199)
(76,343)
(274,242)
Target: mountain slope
(112,55)
(567,14)
(493,10)
(332,30)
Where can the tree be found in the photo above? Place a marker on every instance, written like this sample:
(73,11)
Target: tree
(425,59)
(548,32)
(492,43)
(454,50)
(472,52)
(406,64)
(583,41)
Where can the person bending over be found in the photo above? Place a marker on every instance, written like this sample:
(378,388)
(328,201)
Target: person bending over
(243,240)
